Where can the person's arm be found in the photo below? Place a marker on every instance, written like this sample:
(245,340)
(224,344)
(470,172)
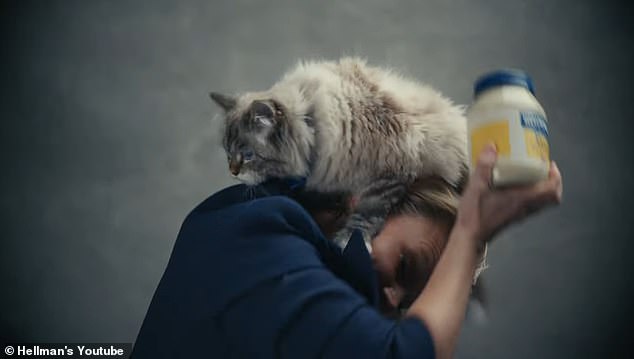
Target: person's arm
(482,212)
(442,303)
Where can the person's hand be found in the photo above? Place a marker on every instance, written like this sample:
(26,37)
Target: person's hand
(483,210)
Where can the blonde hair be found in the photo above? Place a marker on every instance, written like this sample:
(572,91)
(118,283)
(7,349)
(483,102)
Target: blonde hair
(428,196)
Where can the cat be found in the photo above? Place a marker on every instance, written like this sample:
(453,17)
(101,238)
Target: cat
(346,126)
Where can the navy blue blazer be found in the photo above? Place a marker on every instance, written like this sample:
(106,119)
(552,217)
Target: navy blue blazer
(252,276)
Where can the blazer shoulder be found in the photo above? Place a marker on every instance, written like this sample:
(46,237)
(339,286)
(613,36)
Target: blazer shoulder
(223,198)
(278,213)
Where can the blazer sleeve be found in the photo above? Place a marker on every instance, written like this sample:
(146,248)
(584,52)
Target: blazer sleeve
(309,312)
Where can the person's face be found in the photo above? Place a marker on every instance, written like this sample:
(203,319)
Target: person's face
(405,254)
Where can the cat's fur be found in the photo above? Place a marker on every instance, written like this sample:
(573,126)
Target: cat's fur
(346,127)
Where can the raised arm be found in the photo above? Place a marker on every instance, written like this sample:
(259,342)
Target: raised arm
(482,213)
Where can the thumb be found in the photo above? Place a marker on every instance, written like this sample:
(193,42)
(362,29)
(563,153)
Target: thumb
(484,167)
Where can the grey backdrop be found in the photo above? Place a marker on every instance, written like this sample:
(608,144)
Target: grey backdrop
(108,141)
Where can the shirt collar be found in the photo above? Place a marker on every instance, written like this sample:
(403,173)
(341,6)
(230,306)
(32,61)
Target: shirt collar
(359,269)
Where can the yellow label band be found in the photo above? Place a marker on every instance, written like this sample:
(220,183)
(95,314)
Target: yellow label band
(496,132)
(536,145)
(535,135)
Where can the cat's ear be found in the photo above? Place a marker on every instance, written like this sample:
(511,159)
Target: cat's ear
(262,113)
(226,102)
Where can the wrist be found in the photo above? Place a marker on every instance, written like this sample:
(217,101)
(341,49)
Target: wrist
(471,235)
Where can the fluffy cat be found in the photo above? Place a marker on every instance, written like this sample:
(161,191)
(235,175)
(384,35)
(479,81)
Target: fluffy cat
(346,126)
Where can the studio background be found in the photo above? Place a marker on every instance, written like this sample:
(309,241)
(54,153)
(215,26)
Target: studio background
(108,141)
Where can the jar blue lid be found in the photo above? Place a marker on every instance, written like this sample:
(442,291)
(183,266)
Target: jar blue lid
(503,77)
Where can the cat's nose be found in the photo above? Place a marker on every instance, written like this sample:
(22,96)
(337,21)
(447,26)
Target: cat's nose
(234,168)
(235,164)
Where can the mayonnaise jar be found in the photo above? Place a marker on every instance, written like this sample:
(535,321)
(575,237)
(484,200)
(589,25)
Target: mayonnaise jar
(505,112)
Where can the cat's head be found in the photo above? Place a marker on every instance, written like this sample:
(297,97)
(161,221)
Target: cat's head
(264,138)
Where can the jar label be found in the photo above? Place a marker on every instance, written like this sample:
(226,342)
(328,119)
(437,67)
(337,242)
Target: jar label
(518,135)
(535,135)
(497,132)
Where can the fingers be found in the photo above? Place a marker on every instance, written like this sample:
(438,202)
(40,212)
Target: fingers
(481,178)
(555,176)
(549,190)
(485,210)
(527,200)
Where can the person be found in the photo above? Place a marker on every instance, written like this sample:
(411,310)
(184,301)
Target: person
(255,276)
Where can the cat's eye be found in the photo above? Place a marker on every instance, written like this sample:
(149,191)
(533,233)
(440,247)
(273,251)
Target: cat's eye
(248,156)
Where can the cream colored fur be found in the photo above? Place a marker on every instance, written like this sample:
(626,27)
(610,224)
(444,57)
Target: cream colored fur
(368,122)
